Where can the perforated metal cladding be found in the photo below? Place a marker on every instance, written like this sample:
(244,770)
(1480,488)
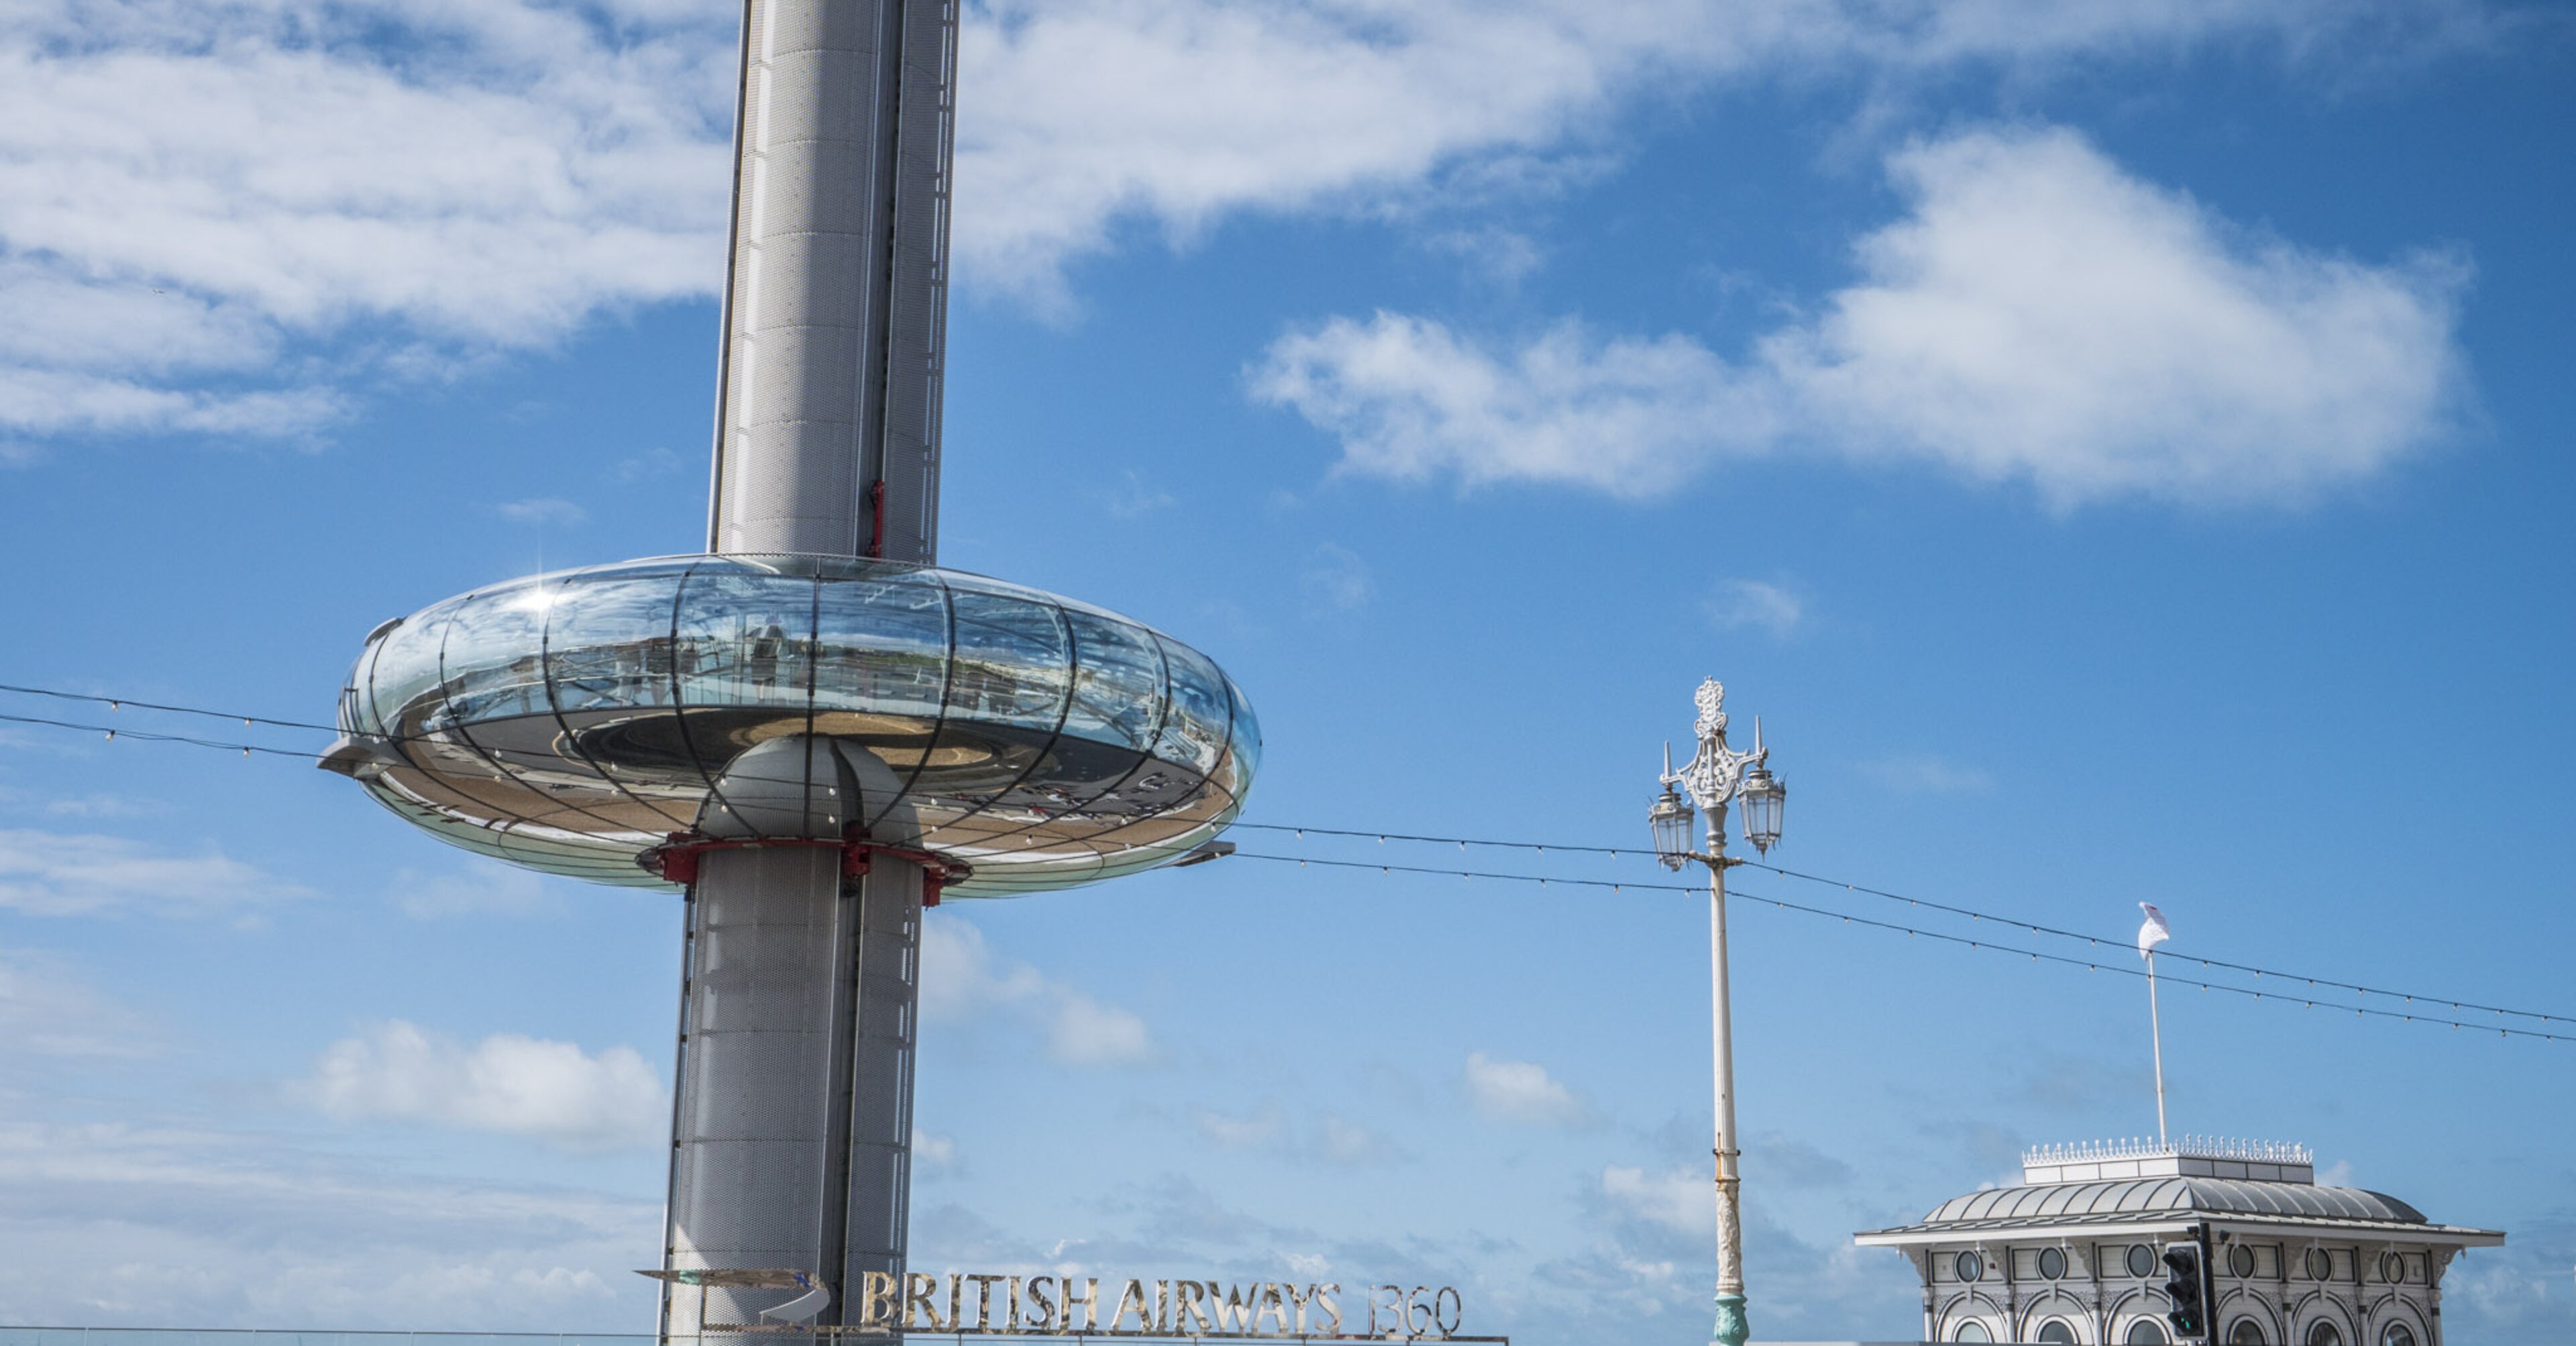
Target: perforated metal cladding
(835,309)
(793,1116)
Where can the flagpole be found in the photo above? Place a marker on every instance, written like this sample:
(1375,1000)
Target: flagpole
(2156,1025)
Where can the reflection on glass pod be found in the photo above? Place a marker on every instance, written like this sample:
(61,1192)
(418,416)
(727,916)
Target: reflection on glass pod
(571,722)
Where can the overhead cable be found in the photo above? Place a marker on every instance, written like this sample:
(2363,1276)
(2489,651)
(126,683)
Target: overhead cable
(2094,940)
(1847,918)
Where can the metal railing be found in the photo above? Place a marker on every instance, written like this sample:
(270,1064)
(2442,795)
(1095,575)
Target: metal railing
(2186,1147)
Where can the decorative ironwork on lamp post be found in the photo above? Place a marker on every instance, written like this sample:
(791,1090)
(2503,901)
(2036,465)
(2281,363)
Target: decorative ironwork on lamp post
(1716,776)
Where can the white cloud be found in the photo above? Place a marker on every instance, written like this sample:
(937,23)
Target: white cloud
(962,980)
(1342,1141)
(543,511)
(1081,118)
(1084,1032)
(1677,1199)
(104,806)
(71,874)
(506,1083)
(1251,1131)
(487,888)
(1135,497)
(1336,580)
(2039,316)
(651,464)
(1410,400)
(189,187)
(933,1153)
(2043,316)
(1919,773)
(46,1010)
(129,1221)
(1757,604)
(1330,1138)
(1521,1091)
(194,192)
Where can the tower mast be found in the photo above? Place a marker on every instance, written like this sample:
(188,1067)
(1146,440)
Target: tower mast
(791,1144)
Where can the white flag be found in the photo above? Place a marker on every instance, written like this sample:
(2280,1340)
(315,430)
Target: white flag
(2154,932)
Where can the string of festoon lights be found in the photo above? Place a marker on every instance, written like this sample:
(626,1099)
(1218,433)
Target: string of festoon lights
(2408,1007)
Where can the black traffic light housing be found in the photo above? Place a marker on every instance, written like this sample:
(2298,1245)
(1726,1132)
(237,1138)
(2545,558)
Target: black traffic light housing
(2186,1288)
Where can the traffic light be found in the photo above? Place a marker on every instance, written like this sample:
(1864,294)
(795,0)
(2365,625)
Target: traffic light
(2189,1315)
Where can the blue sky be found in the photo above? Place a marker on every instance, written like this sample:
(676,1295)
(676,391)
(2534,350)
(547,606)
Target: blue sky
(2119,450)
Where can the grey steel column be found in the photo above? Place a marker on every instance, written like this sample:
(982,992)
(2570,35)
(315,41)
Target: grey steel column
(836,303)
(792,1121)
(791,1142)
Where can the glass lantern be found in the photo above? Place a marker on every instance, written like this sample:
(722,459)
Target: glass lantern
(1763,797)
(1671,820)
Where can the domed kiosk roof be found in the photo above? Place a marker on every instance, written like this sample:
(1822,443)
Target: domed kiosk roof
(572,722)
(2207,1196)
(2135,1188)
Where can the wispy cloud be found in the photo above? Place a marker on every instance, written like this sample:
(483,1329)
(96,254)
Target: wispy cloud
(508,1083)
(963,980)
(486,888)
(74,874)
(1328,1137)
(140,1222)
(104,806)
(2039,317)
(1758,605)
(1921,773)
(1134,497)
(543,511)
(1100,115)
(1521,1091)
(1336,580)
(192,194)
(933,1155)
(48,1010)
(1677,1199)
(650,465)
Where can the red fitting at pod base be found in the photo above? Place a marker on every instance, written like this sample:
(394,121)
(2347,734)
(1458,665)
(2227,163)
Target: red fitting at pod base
(676,860)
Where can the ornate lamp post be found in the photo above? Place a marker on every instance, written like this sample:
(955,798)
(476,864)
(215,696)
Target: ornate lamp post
(1716,776)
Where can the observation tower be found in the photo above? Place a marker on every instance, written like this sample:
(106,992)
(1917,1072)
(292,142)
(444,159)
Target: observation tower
(810,729)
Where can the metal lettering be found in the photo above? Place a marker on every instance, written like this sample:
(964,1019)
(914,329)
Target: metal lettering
(880,1298)
(921,1292)
(1394,1304)
(1273,1307)
(1134,1294)
(983,1302)
(1089,1299)
(1023,1305)
(1234,1312)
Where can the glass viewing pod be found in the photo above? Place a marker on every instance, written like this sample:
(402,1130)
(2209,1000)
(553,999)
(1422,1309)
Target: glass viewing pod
(574,722)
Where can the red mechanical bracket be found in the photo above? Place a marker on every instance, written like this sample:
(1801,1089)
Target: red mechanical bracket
(676,860)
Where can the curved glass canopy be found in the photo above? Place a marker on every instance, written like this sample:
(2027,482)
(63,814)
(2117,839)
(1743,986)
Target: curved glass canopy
(570,722)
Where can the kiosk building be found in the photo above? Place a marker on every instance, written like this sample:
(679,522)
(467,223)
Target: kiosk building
(2073,1253)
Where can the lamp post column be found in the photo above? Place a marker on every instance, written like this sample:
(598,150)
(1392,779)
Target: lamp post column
(1716,776)
(1732,1328)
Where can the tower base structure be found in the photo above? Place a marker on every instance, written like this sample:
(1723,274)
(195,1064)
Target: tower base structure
(792,1109)
(792,1123)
